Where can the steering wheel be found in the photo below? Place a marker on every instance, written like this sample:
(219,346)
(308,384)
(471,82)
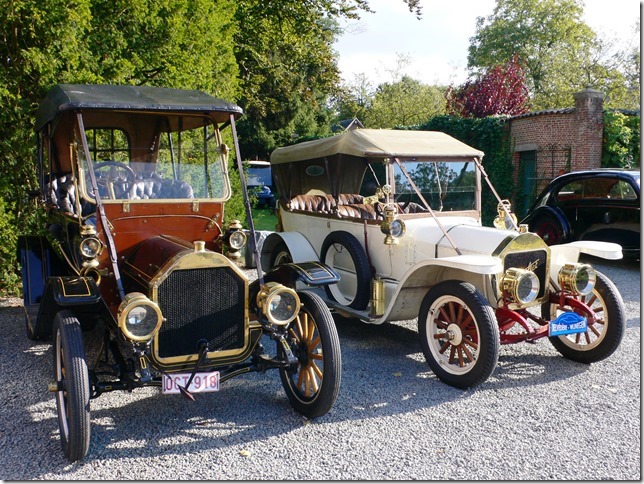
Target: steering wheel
(119,174)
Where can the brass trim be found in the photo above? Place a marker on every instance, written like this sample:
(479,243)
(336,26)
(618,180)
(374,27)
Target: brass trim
(189,259)
(64,287)
(214,358)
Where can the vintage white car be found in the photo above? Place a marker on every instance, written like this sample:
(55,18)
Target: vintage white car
(398,215)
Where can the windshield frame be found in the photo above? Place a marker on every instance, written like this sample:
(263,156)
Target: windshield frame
(215,157)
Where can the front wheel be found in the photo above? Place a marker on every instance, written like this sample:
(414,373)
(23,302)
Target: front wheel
(458,334)
(604,335)
(313,387)
(72,378)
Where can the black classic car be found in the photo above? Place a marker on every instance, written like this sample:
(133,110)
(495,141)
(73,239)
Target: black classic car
(599,205)
(134,180)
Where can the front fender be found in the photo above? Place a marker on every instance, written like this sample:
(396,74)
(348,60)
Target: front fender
(80,294)
(299,247)
(311,274)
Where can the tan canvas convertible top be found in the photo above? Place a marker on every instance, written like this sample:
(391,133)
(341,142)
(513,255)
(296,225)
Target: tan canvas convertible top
(378,143)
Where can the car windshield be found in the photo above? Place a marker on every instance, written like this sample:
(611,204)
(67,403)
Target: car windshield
(446,186)
(158,158)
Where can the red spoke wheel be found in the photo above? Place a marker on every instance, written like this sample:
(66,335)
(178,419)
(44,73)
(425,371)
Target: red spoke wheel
(604,334)
(458,334)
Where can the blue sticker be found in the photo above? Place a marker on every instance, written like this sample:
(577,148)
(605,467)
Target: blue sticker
(568,323)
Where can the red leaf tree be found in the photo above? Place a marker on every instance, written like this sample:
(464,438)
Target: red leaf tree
(501,90)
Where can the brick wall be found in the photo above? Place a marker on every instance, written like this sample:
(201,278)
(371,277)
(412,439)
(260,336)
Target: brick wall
(578,130)
(559,140)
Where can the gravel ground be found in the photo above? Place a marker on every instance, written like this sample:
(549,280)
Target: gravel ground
(539,416)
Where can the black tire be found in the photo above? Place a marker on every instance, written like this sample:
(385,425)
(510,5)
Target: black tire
(459,334)
(342,251)
(549,229)
(313,388)
(604,336)
(72,398)
(280,255)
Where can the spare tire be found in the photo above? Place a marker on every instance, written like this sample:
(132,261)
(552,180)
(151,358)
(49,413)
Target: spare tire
(342,251)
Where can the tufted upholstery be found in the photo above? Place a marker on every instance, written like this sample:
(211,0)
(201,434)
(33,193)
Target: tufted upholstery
(350,198)
(348,205)
(358,210)
(313,203)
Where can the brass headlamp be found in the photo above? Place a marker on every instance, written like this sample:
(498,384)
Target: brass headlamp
(578,279)
(235,239)
(520,285)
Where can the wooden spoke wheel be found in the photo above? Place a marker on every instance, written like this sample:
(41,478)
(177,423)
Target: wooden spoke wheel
(313,386)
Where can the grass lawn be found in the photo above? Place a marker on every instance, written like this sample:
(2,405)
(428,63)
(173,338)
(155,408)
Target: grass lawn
(264,219)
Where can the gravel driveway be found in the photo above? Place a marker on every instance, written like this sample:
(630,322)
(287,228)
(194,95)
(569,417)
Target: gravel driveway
(538,417)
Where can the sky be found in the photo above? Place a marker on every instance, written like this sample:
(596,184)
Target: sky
(436,45)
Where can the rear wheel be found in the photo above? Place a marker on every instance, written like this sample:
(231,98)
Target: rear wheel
(72,377)
(549,230)
(313,387)
(604,335)
(458,334)
(342,252)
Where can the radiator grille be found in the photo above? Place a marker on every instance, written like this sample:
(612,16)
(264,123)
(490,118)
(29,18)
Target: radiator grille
(526,259)
(201,304)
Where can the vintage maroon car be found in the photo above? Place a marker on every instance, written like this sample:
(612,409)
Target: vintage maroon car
(134,180)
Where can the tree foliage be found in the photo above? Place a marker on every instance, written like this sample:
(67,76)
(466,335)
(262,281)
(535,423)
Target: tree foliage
(405,102)
(550,39)
(288,69)
(621,140)
(501,90)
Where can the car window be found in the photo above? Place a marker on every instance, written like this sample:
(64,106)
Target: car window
(622,191)
(571,191)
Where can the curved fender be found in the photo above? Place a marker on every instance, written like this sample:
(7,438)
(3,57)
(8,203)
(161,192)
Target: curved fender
(409,292)
(567,253)
(300,248)
(80,294)
(310,273)
(555,213)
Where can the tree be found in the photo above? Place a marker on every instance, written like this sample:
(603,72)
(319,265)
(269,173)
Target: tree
(287,69)
(501,90)
(549,38)
(174,43)
(404,103)
(354,98)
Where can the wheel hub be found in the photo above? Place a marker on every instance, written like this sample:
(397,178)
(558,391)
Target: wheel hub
(454,334)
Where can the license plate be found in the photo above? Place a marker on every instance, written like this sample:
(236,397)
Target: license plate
(568,323)
(202,382)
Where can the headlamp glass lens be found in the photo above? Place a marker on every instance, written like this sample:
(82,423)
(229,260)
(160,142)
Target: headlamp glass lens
(90,247)
(141,321)
(282,306)
(237,240)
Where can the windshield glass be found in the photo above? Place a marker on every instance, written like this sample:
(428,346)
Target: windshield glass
(446,186)
(155,157)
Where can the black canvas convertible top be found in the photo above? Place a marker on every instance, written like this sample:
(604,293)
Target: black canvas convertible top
(66,97)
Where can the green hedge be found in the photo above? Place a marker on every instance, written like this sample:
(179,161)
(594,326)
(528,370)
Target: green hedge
(490,136)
